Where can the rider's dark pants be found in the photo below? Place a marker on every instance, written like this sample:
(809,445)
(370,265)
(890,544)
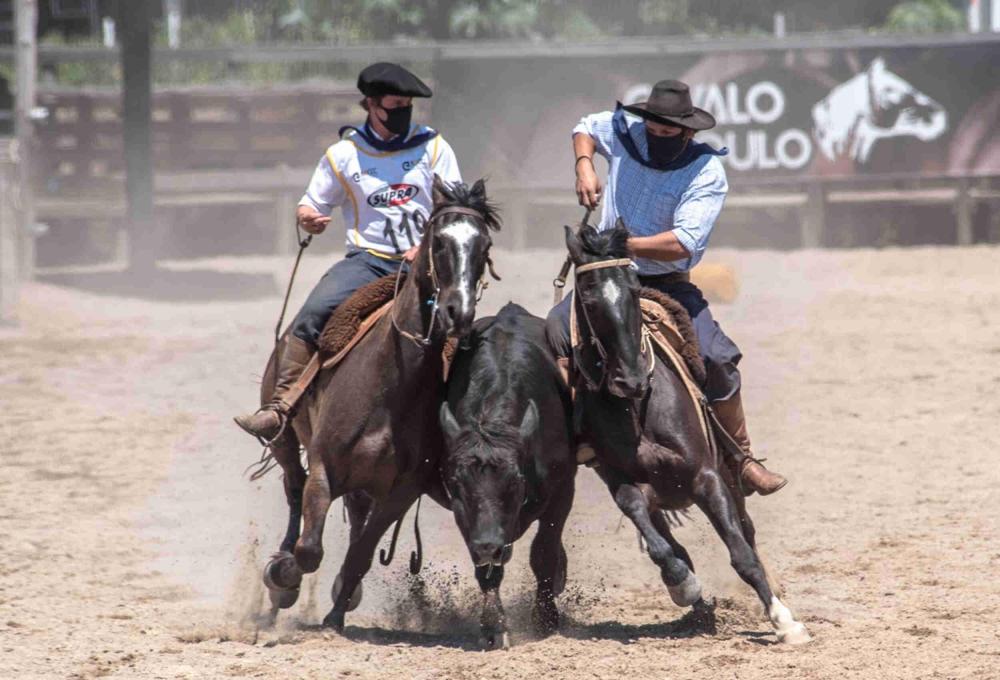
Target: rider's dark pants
(340,281)
(721,354)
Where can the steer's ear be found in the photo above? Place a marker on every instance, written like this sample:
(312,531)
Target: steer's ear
(448,422)
(529,423)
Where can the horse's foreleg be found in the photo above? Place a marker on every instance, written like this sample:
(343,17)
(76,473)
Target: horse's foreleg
(358,559)
(492,621)
(548,558)
(683,585)
(282,575)
(715,500)
(315,505)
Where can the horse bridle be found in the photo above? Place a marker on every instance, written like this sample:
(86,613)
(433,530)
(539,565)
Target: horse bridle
(425,340)
(646,346)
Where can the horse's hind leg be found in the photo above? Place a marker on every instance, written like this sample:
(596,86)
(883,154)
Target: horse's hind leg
(683,585)
(282,575)
(315,505)
(715,500)
(548,557)
(359,556)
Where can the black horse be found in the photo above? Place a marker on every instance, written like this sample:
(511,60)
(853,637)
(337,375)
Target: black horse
(508,459)
(646,431)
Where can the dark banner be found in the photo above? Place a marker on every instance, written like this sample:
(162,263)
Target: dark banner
(927,111)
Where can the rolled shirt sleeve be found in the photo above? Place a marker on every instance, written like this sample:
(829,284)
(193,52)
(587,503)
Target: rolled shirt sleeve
(699,207)
(443,161)
(598,127)
(325,191)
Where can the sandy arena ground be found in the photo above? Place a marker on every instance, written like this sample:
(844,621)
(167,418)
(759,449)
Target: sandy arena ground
(131,544)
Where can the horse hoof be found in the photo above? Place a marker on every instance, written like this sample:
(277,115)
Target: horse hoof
(356,596)
(796,634)
(282,573)
(687,592)
(493,641)
(334,620)
(283,599)
(308,557)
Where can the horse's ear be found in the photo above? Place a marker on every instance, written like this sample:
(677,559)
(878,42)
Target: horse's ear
(529,423)
(620,225)
(478,190)
(573,244)
(438,190)
(448,423)
(877,66)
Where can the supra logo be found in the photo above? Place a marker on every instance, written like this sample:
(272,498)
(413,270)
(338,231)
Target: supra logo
(392,195)
(875,104)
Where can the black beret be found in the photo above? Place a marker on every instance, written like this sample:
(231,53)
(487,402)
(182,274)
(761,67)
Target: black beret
(387,78)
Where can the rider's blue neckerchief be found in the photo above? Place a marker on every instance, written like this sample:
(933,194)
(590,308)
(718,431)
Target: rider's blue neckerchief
(691,152)
(397,143)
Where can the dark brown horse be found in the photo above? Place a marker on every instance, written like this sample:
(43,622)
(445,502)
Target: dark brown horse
(646,431)
(370,425)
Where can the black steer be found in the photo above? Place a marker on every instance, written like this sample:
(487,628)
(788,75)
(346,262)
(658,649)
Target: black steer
(508,459)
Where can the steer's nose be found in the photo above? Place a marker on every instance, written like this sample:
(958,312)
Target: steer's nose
(486,551)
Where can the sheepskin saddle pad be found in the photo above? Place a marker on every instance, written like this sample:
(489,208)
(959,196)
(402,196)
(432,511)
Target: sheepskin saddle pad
(666,317)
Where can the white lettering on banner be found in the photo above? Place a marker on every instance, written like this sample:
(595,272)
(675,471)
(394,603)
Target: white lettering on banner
(753,150)
(762,103)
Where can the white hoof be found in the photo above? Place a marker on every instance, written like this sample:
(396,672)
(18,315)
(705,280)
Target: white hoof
(496,641)
(788,630)
(687,592)
(794,635)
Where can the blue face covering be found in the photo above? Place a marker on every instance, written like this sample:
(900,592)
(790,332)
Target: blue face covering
(397,143)
(691,152)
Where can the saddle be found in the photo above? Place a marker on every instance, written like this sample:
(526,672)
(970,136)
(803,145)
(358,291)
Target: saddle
(667,320)
(352,321)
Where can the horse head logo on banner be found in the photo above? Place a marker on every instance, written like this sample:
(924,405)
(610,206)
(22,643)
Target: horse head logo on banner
(875,104)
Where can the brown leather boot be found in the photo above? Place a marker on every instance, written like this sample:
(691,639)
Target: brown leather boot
(266,422)
(754,475)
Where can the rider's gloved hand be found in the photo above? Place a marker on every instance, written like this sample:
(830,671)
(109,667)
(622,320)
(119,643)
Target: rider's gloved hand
(310,220)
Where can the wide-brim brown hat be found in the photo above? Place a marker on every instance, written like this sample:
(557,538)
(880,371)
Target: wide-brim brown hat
(670,103)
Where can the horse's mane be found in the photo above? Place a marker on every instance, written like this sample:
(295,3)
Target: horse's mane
(474,197)
(610,243)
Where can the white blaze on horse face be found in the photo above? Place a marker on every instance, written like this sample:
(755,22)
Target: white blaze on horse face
(463,234)
(611,292)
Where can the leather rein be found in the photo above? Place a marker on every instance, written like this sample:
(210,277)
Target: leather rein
(424,341)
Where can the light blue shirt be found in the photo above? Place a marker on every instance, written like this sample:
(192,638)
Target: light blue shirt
(686,201)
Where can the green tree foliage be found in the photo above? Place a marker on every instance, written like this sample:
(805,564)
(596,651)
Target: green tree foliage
(925,16)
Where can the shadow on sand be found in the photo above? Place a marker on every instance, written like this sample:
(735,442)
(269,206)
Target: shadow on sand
(700,621)
(165,285)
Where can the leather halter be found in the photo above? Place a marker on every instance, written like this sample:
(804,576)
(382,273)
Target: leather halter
(425,340)
(595,340)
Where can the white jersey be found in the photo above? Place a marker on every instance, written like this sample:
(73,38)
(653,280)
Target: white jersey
(385,196)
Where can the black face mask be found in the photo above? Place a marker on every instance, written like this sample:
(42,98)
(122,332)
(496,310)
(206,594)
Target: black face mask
(663,150)
(398,120)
